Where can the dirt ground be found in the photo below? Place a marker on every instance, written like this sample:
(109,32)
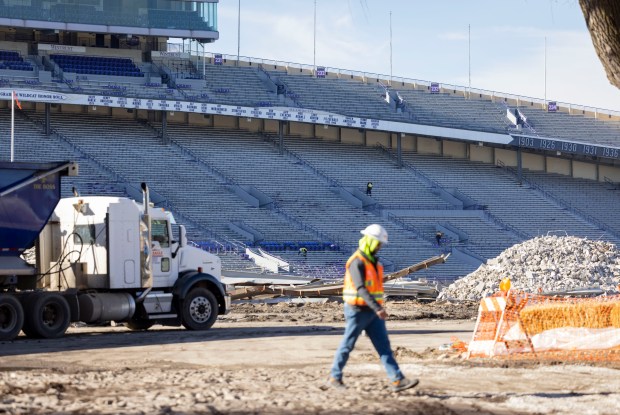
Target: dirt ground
(273,359)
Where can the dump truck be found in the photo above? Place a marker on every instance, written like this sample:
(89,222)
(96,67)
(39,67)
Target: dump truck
(97,259)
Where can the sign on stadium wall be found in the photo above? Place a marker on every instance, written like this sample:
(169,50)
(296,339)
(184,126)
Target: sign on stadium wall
(561,146)
(312,117)
(169,55)
(62,48)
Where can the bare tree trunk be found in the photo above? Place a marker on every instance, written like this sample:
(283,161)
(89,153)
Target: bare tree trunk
(603,21)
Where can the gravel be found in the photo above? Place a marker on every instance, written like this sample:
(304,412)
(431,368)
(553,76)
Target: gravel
(544,264)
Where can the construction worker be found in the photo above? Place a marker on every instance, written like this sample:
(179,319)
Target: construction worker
(369,189)
(363,310)
(303,251)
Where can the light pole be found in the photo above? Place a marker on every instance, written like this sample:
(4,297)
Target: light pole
(469,58)
(238,31)
(545,73)
(314,48)
(390,48)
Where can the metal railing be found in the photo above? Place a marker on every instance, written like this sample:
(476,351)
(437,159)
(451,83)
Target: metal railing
(417,172)
(318,172)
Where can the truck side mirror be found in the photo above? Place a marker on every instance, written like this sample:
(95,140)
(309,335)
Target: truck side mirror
(182,236)
(182,240)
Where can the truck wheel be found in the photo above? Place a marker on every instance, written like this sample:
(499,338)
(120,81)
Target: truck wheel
(47,315)
(11,317)
(199,309)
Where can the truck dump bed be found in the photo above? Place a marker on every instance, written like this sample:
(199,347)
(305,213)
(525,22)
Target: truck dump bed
(29,192)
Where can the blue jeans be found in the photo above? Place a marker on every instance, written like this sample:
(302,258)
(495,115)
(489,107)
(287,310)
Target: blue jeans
(359,320)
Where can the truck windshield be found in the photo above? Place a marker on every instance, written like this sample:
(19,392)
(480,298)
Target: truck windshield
(159,232)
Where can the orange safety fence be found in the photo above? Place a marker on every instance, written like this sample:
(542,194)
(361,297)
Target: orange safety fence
(518,325)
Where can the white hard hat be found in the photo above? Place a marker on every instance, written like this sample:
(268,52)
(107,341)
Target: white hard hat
(376,231)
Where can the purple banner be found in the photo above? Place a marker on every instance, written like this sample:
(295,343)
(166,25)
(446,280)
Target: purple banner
(552,106)
(217,59)
(434,88)
(321,72)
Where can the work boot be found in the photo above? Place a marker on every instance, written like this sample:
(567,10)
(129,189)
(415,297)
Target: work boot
(404,383)
(333,383)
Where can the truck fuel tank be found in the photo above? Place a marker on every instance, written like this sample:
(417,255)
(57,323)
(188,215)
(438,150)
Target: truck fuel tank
(97,307)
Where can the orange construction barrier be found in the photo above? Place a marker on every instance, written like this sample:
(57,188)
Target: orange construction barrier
(519,325)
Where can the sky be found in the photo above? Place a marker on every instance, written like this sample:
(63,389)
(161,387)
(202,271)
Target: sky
(498,44)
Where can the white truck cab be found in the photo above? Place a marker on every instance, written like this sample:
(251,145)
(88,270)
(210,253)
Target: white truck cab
(123,262)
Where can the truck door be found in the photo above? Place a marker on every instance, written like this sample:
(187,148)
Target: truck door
(164,269)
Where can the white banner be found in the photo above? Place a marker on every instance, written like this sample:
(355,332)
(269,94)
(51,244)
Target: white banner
(25,95)
(62,48)
(267,113)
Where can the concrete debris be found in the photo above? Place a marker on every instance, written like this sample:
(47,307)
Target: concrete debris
(330,288)
(542,265)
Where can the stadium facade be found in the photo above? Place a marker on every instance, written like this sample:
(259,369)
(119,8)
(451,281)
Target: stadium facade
(253,153)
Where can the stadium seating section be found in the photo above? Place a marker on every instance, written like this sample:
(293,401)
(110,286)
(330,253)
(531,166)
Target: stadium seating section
(13,61)
(197,173)
(96,65)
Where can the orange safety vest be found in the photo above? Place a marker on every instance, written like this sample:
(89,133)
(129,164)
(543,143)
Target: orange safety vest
(373,281)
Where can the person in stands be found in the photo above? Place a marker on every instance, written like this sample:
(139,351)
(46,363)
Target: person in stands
(303,251)
(369,189)
(438,236)
(364,311)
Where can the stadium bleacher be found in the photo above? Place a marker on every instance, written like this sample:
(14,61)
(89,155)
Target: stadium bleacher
(13,61)
(307,180)
(96,65)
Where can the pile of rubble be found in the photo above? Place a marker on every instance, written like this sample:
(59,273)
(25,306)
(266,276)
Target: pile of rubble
(544,264)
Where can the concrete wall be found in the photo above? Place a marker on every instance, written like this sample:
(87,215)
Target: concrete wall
(135,55)
(302,129)
(79,109)
(482,154)
(21,48)
(223,121)
(327,132)
(350,135)
(176,117)
(429,146)
(535,162)
(508,157)
(250,124)
(271,126)
(454,149)
(585,170)
(122,113)
(199,119)
(408,142)
(377,137)
(557,165)
(611,172)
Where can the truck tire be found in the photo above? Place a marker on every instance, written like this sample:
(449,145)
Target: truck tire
(47,315)
(11,317)
(199,309)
